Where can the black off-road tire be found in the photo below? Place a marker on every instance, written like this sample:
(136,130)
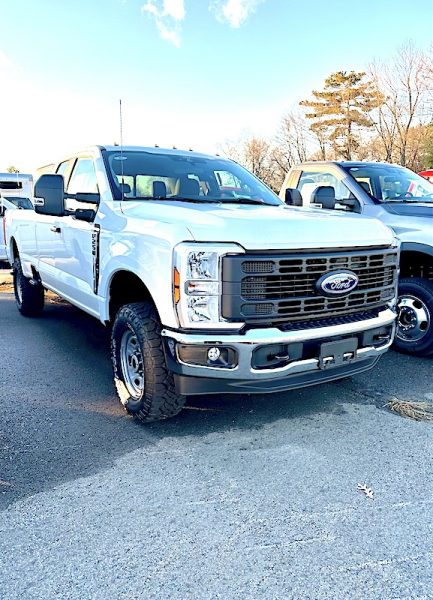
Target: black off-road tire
(29,294)
(418,293)
(152,395)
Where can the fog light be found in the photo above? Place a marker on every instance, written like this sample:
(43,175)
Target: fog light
(222,357)
(213,354)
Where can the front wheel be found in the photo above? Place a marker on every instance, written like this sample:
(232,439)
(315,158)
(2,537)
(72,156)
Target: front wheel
(415,316)
(143,383)
(29,294)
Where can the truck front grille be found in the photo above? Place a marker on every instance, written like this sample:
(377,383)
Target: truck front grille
(264,288)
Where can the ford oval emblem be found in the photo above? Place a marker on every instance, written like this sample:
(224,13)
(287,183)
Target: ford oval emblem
(337,283)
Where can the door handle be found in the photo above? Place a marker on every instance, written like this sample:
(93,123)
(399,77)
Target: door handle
(55,229)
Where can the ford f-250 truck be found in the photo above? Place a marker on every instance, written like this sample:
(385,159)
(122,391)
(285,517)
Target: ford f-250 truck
(210,283)
(402,200)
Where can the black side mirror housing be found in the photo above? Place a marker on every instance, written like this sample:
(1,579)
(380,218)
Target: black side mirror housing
(293,197)
(50,195)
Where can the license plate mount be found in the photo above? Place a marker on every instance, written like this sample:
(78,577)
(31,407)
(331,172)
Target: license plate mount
(340,352)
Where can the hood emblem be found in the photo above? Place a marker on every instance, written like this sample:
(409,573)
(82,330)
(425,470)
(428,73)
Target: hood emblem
(337,283)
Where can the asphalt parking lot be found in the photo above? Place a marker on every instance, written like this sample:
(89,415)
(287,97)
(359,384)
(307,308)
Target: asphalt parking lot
(237,497)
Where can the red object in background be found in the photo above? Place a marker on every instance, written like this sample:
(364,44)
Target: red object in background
(427,174)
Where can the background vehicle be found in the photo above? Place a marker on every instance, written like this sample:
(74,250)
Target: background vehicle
(18,185)
(402,200)
(427,175)
(206,289)
(16,189)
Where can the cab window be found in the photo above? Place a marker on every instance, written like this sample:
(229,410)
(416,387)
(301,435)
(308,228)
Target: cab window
(82,181)
(64,169)
(83,178)
(309,181)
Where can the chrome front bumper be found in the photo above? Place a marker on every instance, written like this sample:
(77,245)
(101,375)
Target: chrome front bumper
(254,338)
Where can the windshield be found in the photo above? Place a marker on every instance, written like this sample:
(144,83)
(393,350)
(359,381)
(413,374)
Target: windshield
(138,174)
(388,183)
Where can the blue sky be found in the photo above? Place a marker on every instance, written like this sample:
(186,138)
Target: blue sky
(191,73)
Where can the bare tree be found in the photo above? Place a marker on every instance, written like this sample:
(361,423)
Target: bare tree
(292,138)
(257,155)
(320,133)
(404,85)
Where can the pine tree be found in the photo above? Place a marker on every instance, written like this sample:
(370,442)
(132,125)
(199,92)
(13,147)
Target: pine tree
(342,108)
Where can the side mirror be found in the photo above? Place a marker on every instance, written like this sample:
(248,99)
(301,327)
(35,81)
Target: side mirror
(293,197)
(50,195)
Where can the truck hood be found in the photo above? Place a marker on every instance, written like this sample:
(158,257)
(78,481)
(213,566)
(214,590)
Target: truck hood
(263,227)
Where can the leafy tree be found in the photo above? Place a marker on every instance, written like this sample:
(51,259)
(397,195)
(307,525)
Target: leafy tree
(12,170)
(341,109)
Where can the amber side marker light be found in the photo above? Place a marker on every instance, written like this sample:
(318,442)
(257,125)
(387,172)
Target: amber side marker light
(176,285)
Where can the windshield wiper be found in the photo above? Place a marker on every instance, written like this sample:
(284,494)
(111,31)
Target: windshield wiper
(406,200)
(242,201)
(201,199)
(173,198)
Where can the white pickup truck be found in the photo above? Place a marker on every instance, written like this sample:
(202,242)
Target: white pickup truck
(210,283)
(16,189)
(404,202)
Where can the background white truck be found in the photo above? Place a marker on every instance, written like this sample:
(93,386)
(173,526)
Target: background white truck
(402,200)
(209,282)
(16,189)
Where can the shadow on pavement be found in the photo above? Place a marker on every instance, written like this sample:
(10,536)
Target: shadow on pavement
(61,418)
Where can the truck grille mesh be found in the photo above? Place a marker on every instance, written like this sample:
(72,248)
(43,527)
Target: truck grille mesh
(256,288)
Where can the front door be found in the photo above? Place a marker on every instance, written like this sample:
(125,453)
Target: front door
(75,262)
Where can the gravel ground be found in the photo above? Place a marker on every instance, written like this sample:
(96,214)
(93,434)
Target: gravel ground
(237,497)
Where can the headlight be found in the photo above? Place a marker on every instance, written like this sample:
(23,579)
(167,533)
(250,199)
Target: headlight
(197,284)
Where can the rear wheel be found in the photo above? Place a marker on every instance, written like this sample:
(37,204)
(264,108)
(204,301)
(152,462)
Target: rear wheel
(415,316)
(29,293)
(143,383)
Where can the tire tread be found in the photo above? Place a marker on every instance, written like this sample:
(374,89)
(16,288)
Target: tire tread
(160,400)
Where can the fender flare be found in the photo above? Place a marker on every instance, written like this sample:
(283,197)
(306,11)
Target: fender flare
(416,247)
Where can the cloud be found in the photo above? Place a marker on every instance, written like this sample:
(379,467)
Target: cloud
(168,15)
(233,12)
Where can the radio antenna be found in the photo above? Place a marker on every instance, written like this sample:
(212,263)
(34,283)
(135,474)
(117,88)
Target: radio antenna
(121,148)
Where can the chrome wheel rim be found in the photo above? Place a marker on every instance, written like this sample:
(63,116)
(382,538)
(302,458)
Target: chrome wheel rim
(132,363)
(413,319)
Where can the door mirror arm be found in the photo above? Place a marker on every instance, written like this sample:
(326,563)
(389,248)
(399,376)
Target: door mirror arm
(88,198)
(85,214)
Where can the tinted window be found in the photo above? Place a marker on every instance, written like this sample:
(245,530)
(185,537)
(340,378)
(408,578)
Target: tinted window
(20,202)
(389,183)
(11,185)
